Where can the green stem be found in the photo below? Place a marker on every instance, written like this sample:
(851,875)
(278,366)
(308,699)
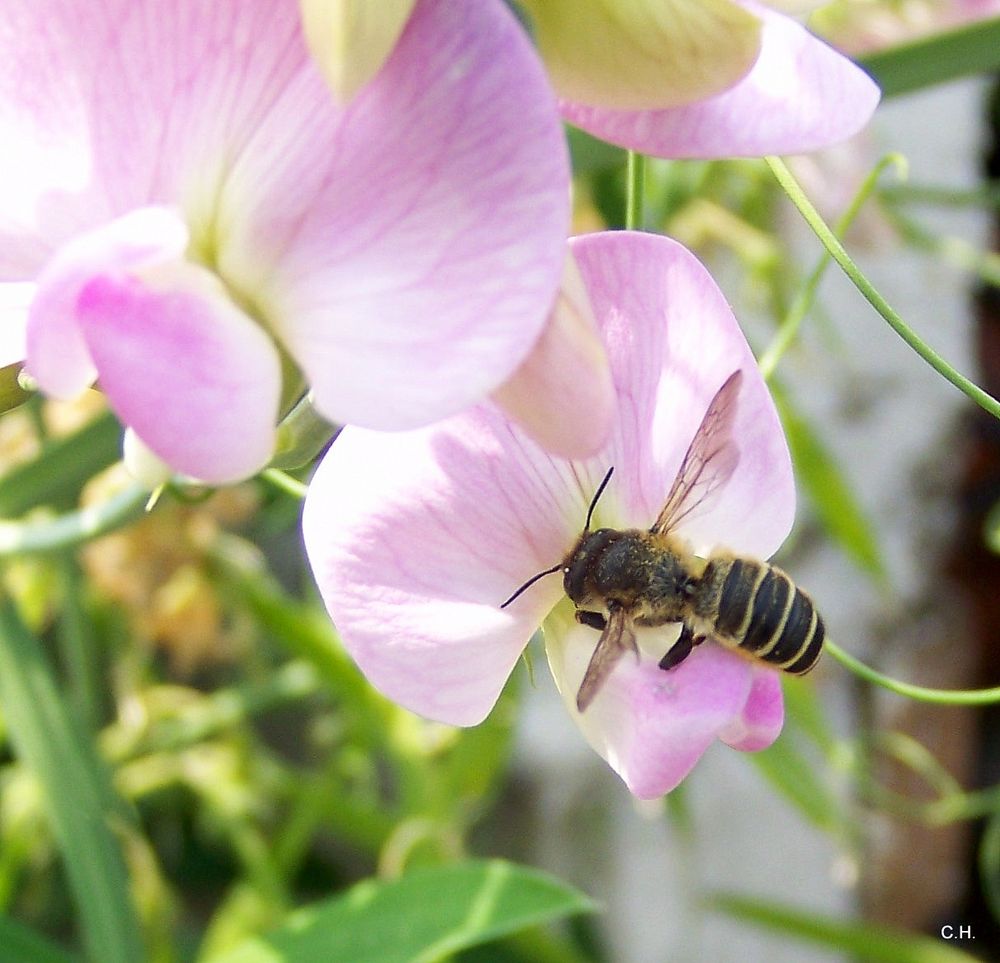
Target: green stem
(829,240)
(73,528)
(790,324)
(952,697)
(284,482)
(970,805)
(952,250)
(635,190)
(987,196)
(302,435)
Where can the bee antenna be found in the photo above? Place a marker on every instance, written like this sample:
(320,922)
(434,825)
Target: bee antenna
(555,568)
(531,581)
(597,495)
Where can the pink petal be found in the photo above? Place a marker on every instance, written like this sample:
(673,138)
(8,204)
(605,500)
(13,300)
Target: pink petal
(418,242)
(801,95)
(196,379)
(57,355)
(562,394)
(415,539)
(672,341)
(763,715)
(652,726)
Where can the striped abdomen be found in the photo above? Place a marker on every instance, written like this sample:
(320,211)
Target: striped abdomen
(756,607)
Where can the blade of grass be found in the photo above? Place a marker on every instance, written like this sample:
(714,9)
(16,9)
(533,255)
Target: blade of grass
(23,945)
(866,941)
(57,474)
(933,60)
(830,492)
(797,779)
(80,801)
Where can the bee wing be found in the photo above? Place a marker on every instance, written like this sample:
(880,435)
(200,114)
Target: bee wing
(616,639)
(710,460)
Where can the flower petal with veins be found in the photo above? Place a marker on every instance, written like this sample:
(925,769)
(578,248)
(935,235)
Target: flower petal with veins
(409,257)
(415,539)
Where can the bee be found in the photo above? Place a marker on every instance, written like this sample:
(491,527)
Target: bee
(620,579)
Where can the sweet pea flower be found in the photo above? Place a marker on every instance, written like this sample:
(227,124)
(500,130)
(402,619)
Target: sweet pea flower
(210,234)
(861,28)
(799,95)
(416,538)
(669,78)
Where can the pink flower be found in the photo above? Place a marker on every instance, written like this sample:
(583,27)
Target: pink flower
(800,95)
(211,234)
(670,78)
(417,538)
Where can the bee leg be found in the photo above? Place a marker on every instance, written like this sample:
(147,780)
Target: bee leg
(592,619)
(681,649)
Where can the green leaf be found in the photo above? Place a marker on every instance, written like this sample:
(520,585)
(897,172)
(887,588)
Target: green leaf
(799,764)
(81,803)
(866,941)
(799,781)
(421,918)
(968,50)
(23,945)
(56,476)
(828,490)
(804,710)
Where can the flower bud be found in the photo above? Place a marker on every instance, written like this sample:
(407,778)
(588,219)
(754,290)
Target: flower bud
(644,54)
(351,39)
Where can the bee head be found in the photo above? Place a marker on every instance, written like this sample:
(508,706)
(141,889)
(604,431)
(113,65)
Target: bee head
(578,567)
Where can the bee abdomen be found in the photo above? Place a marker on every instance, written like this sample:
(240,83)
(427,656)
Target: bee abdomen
(756,607)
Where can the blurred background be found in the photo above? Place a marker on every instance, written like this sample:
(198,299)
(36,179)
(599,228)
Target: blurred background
(253,770)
